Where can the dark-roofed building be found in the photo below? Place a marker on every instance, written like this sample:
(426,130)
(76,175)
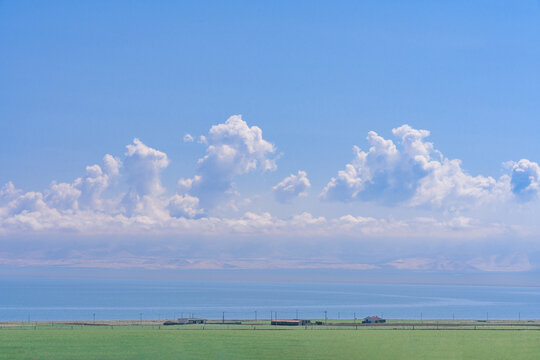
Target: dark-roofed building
(290,322)
(185,321)
(373,320)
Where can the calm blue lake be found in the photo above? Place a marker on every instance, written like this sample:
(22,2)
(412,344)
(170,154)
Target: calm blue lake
(80,299)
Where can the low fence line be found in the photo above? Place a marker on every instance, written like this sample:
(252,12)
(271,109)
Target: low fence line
(247,325)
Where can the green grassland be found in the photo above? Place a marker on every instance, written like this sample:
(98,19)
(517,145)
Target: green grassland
(265,342)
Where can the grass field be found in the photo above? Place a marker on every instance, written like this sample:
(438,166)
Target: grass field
(152,342)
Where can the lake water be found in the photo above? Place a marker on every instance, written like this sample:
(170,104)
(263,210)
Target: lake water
(80,299)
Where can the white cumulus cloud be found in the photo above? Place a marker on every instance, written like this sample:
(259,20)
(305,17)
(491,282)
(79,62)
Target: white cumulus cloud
(292,186)
(85,192)
(525,179)
(411,172)
(184,206)
(112,165)
(62,196)
(234,148)
(9,192)
(143,166)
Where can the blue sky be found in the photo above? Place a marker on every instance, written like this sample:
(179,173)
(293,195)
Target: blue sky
(82,80)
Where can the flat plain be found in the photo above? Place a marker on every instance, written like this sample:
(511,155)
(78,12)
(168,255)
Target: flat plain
(263,342)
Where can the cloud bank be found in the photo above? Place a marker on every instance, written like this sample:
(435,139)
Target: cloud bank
(125,195)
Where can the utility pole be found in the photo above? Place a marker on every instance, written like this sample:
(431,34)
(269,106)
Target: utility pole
(94,318)
(140,318)
(255,315)
(296,314)
(355,319)
(223,318)
(325,317)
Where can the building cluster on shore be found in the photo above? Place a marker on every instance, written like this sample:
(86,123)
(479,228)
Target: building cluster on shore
(281,322)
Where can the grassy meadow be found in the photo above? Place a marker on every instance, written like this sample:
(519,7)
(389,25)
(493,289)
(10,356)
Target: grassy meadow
(153,342)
